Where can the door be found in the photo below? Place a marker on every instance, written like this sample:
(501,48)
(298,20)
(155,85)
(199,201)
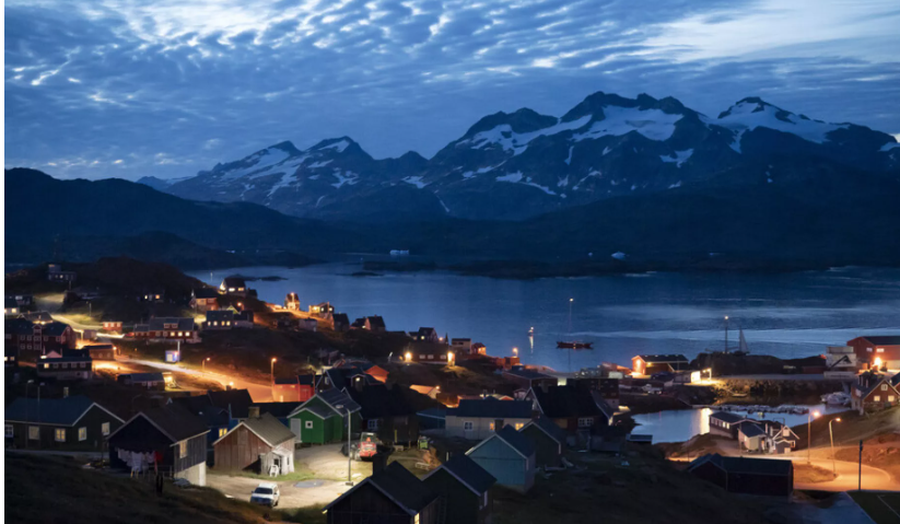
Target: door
(296,427)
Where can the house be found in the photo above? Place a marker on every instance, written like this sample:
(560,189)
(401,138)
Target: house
(154,295)
(781,438)
(154,381)
(509,457)
(236,401)
(260,443)
(374,324)
(204,299)
(479,419)
(752,436)
(55,273)
(425,334)
(344,377)
(174,437)
(243,319)
(877,351)
(432,418)
(38,317)
(549,441)
(73,423)
(386,410)
(753,476)
(221,319)
(322,418)
(572,408)
(65,368)
(650,364)
(341,322)
(10,306)
(428,391)
(377,372)
(167,328)
(100,351)
(479,349)
(112,326)
(461,346)
(323,310)
(307,324)
(390,496)
(292,302)
(725,423)
(10,361)
(40,338)
(841,363)
(430,355)
(294,389)
(23,300)
(219,410)
(873,392)
(466,490)
(527,378)
(233,286)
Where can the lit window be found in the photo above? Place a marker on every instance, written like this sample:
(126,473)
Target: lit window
(890,398)
(9,431)
(104,428)
(416,519)
(59,435)
(877,398)
(519,426)
(308,424)
(869,350)
(491,426)
(469,425)
(222,432)
(82,434)
(879,350)
(182,449)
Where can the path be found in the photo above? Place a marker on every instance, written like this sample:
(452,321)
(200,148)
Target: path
(258,392)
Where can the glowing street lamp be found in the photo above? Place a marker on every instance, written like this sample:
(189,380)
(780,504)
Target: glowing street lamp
(809,419)
(516,351)
(877,363)
(450,357)
(831,434)
(408,357)
(203,363)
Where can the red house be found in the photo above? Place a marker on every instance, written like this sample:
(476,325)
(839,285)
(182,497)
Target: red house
(294,389)
(877,351)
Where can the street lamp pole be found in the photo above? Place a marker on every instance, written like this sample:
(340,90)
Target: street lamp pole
(809,417)
(726,333)
(203,364)
(349,451)
(831,434)
(272,369)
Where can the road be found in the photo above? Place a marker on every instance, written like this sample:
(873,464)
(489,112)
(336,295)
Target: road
(847,475)
(258,392)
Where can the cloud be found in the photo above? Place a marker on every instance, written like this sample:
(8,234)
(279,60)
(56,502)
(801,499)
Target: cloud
(98,81)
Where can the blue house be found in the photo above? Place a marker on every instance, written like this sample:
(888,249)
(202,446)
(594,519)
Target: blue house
(509,456)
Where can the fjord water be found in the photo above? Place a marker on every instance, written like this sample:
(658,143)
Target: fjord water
(786,315)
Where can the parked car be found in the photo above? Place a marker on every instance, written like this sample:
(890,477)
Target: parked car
(265,494)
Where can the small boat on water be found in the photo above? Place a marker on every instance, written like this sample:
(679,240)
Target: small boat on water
(575,345)
(838,398)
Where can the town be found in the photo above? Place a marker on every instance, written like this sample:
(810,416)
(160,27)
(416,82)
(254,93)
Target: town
(151,377)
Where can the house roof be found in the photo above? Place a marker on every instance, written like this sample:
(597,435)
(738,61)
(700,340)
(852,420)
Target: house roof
(725,416)
(566,402)
(751,429)
(340,318)
(492,408)
(266,427)
(376,321)
(277,409)
(882,340)
(38,316)
(340,377)
(468,472)
(318,410)
(219,315)
(146,377)
(754,466)
(528,374)
(547,426)
(334,398)
(517,441)
(60,411)
(54,329)
(663,359)
(172,420)
(440,413)
(183,324)
(399,485)
(306,380)
(19,326)
(287,380)
(205,292)
(234,282)
(379,401)
(82,358)
(238,400)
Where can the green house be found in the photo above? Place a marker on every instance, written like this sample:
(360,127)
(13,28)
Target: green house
(322,419)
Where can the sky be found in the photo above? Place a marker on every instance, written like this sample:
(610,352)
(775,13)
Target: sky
(166,88)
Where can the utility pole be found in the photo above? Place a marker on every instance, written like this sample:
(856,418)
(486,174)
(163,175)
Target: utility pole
(859,487)
(831,434)
(726,333)
(349,451)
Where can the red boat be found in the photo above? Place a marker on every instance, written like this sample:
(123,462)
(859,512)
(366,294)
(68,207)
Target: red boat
(575,345)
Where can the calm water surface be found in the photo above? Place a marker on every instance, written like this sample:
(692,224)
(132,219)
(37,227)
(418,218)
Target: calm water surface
(788,315)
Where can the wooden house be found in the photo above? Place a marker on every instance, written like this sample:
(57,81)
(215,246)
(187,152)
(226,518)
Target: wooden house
(572,408)
(509,457)
(479,419)
(461,346)
(873,392)
(260,443)
(425,334)
(387,411)
(150,381)
(390,496)
(100,351)
(549,441)
(292,302)
(233,286)
(11,307)
(752,436)
(167,328)
(725,423)
(112,326)
(73,423)
(322,418)
(341,322)
(323,310)
(204,299)
(752,476)
(877,351)
(466,490)
(174,438)
(65,368)
(221,319)
(650,364)
(528,378)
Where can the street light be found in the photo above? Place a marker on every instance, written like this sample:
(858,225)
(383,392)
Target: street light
(272,370)
(809,418)
(349,451)
(516,351)
(450,357)
(831,434)
(203,364)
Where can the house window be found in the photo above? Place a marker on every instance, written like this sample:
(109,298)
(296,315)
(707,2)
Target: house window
(884,387)
(373,424)
(519,426)
(869,350)
(879,350)
(222,432)
(309,424)
(469,425)
(877,398)
(585,422)
(82,434)
(34,432)
(104,428)
(492,427)
(59,435)
(484,500)
(9,431)
(890,398)
(182,449)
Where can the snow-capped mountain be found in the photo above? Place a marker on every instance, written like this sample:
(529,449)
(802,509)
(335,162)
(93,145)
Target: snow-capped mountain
(516,165)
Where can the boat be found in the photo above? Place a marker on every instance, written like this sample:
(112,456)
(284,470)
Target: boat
(838,398)
(743,348)
(575,345)
(531,331)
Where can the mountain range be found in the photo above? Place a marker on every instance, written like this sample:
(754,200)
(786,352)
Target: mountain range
(520,165)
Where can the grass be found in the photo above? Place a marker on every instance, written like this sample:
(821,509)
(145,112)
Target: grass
(297,476)
(810,474)
(51,490)
(308,515)
(883,508)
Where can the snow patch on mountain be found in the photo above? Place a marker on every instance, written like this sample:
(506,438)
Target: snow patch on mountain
(338,146)
(349,178)
(675,185)
(569,158)
(747,115)
(260,161)
(889,146)
(504,136)
(416,181)
(652,123)
(286,180)
(510,177)
(679,157)
(321,163)
(563,182)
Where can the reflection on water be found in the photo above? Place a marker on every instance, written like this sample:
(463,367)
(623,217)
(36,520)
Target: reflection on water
(681,425)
